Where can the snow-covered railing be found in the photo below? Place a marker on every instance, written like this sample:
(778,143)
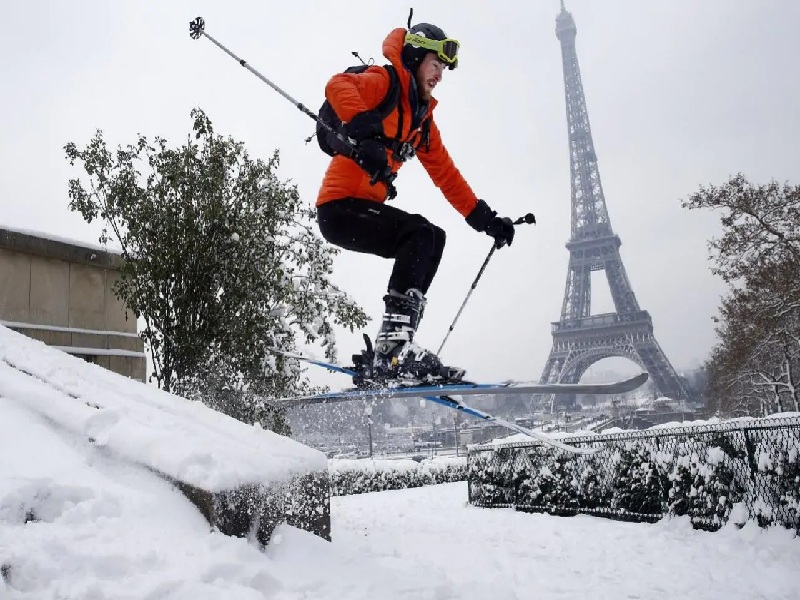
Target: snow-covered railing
(733,471)
(376,475)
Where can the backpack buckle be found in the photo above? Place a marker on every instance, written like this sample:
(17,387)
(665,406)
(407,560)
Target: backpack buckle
(403,151)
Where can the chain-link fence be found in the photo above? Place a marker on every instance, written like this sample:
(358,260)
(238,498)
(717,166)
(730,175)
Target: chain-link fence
(739,470)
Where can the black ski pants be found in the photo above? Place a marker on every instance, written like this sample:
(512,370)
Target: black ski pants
(415,244)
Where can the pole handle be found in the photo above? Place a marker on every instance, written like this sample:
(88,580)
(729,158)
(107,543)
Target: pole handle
(528,219)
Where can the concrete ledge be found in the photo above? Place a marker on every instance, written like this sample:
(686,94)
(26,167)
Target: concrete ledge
(72,252)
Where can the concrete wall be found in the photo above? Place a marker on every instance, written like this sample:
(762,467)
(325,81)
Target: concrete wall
(60,293)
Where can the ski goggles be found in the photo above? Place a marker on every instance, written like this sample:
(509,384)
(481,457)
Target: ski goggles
(446,50)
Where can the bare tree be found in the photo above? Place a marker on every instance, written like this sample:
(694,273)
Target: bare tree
(755,368)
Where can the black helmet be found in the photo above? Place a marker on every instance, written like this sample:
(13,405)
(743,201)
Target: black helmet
(413,55)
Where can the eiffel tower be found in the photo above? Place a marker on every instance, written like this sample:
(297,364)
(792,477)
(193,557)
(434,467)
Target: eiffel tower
(579,338)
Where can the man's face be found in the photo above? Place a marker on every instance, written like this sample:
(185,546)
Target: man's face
(429,74)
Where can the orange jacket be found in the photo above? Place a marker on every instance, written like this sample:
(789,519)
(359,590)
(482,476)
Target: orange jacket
(350,94)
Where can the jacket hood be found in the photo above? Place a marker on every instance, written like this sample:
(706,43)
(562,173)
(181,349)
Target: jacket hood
(393,51)
(393,48)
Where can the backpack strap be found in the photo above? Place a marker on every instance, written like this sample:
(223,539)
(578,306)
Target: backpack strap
(425,137)
(392,97)
(389,103)
(401,150)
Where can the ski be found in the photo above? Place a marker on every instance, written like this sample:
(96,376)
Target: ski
(415,390)
(469,389)
(439,395)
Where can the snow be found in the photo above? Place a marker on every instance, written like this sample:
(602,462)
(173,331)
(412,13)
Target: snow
(106,529)
(114,531)
(391,466)
(764,461)
(21,325)
(368,465)
(110,248)
(183,439)
(738,422)
(715,455)
(526,439)
(83,520)
(100,351)
(448,549)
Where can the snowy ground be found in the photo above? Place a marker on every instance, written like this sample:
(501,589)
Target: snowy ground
(121,533)
(428,543)
(87,520)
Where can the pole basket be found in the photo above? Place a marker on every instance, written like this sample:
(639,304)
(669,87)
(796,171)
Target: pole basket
(196,28)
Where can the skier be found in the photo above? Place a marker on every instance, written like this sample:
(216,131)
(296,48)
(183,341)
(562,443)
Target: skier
(351,208)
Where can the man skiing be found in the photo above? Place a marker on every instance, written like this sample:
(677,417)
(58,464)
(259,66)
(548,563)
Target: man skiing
(351,208)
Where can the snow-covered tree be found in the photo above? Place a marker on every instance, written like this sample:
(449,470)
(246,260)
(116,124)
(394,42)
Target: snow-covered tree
(755,368)
(640,485)
(221,261)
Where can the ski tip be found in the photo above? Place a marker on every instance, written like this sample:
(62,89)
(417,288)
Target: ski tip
(628,385)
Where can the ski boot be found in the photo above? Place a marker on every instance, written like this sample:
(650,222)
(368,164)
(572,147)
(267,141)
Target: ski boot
(396,357)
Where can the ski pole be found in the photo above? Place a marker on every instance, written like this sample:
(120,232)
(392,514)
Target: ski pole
(197,28)
(529,218)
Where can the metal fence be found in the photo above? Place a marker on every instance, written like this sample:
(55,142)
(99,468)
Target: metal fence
(733,471)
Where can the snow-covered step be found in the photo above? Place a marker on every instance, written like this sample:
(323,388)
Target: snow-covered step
(244,479)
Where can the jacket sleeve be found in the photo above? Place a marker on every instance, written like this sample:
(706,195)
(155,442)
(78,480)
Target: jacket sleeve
(353,93)
(445,175)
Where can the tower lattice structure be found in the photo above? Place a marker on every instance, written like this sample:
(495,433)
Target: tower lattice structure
(580,339)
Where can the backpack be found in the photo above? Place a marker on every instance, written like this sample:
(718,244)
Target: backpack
(332,145)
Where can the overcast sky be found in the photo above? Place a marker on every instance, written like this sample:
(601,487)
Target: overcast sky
(680,93)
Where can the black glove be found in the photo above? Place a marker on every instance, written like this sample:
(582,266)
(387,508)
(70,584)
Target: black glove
(371,156)
(365,125)
(482,218)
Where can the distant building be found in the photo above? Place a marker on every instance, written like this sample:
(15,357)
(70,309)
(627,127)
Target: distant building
(478,434)
(59,292)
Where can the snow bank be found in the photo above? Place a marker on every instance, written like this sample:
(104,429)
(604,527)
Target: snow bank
(75,523)
(522,438)
(704,422)
(182,439)
(111,248)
